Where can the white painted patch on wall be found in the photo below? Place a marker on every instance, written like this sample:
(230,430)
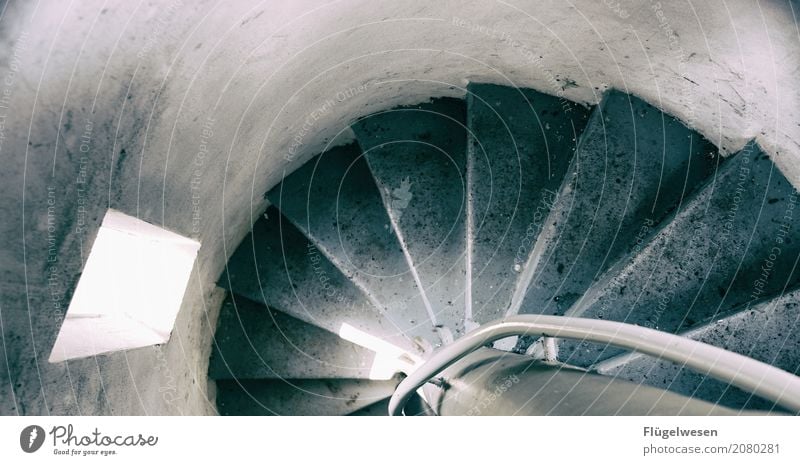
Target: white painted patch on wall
(130,291)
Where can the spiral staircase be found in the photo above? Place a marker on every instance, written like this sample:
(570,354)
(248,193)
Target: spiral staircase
(444,216)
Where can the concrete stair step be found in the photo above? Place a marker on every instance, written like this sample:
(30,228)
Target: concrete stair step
(634,164)
(733,244)
(415,406)
(520,147)
(255,342)
(278,266)
(378,409)
(417,155)
(334,201)
(314,397)
(768,331)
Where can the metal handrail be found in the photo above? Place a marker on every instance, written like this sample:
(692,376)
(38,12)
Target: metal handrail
(753,376)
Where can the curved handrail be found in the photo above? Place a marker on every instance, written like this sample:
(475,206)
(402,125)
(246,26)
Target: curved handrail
(756,377)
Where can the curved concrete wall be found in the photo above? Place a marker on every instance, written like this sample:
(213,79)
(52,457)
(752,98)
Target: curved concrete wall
(184,113)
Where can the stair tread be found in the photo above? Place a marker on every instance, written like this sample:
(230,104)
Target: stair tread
(768,331)
(312,397)
(634,164)
(417,155)
(707,260)
(255,342)
(334,201)
(276,265)
(520,147)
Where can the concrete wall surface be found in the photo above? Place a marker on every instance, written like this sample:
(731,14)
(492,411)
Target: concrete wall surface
(184,113)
